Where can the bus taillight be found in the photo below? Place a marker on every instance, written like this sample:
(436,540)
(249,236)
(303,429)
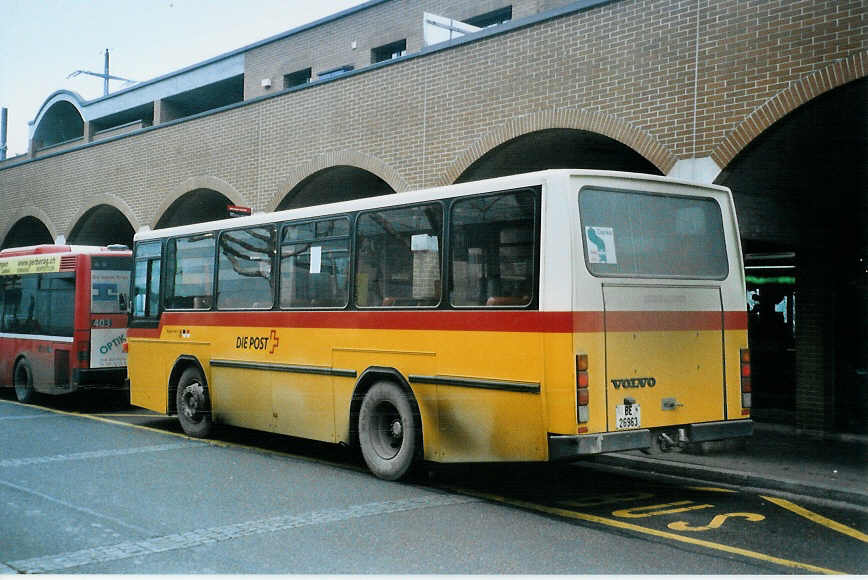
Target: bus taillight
(744,361)
(582,382)
(83,354)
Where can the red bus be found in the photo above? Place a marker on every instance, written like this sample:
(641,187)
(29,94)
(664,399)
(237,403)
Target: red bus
(63,318)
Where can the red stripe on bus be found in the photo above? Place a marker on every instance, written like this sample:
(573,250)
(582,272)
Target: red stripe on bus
(662,320)
(531,321)
(469,320)
(735,320)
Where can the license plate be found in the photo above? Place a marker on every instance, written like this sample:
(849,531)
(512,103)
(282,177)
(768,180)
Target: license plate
(627,417)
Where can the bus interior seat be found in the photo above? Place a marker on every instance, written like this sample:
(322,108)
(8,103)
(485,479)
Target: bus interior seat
(507,301)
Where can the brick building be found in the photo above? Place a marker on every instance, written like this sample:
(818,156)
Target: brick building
(768,97)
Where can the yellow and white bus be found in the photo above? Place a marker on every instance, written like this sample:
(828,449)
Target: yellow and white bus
(535,317)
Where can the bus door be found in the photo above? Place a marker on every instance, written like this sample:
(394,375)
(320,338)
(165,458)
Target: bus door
(664,355)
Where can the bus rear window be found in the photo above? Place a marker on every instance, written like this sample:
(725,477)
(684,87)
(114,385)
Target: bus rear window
(651,235)
(110,285)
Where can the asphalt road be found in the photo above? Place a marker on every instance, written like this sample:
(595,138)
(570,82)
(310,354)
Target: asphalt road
(93,487)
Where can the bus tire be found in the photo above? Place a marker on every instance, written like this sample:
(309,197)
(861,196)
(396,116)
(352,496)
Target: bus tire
(193,404)
(22,379)
(388,431)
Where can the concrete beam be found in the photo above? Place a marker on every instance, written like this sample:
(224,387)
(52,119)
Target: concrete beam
(702,170)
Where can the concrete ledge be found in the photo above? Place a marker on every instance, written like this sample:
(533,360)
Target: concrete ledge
(647,468)
(6,570)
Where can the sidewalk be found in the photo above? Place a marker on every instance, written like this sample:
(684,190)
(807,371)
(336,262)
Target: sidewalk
(780,458)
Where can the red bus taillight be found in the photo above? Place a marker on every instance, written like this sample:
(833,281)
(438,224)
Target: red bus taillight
(744,361)
(83,354)
(582,393)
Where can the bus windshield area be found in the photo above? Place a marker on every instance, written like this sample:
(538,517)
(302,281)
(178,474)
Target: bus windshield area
(649,235)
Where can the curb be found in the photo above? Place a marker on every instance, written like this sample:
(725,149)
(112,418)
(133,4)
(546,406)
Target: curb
(647,468)
(810,433)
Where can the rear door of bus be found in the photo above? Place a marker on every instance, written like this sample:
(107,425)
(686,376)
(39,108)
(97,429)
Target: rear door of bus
(660,260)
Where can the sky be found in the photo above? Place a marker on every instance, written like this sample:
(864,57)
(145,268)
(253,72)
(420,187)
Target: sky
(43,41)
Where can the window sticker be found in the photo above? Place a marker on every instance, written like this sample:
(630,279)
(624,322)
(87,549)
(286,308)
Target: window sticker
(600,242)
(423,243)
(316,259)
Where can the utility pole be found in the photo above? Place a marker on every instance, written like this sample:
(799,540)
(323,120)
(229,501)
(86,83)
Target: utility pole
(105,76)
(2,133)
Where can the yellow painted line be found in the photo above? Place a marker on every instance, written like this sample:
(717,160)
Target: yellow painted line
(648,511)
(817,518)
(145,415)
(714,489)
(648,531)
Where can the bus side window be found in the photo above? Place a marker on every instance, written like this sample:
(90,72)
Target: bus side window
(190,272)
(314,264)
(146,280)
(244,275)
(493,250)
(7,300)
(12,299)
(28,322)
(398,257)
(55,304)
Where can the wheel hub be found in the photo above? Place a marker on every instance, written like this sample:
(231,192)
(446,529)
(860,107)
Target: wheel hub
(192,398)
(397,429)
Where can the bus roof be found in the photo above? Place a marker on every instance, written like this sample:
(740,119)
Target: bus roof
(408,197)
(63,249)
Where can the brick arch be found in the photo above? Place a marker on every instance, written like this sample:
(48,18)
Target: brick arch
(192,184)
(786,101)
(104,199)
(581,119)
(334,158)
(27,211)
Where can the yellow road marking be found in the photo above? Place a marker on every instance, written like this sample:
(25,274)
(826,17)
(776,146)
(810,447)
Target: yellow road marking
(598,500)
(817,518)
(715,522)
(715,489)
(146,415)
(640,512)
(648,531)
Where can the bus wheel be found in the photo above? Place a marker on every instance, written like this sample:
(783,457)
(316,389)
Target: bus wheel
(194,407)
(388,431)
(23,380)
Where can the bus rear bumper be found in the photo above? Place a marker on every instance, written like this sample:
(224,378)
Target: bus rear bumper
(565,447)
(110,378)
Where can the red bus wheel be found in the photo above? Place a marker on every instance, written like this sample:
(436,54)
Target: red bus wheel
(23,381)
